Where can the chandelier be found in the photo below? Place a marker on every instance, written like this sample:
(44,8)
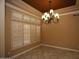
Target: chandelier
(48,16)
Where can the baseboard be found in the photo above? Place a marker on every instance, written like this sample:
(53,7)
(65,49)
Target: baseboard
(24,51)
(68,49)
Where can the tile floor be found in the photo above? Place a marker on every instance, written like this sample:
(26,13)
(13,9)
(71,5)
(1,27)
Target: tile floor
(44,52)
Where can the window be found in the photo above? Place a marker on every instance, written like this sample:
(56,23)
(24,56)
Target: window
(16,34)
(25,29)
(27,39)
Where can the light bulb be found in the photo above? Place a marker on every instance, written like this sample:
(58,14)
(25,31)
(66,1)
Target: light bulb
(51,11)
(57,15)
(48,15)
(45,13)
(46,18)
(43,16)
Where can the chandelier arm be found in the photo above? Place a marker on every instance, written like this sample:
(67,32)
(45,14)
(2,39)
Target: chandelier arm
(49,4)
(56,20)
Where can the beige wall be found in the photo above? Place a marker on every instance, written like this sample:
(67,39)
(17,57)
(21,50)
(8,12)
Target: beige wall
(62,34)
(66,32)
(9,51)
(2,21)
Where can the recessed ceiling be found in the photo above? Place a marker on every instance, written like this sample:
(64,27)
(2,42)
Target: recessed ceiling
(43,5)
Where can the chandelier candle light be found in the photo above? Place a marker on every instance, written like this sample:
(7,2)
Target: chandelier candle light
(48,16)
